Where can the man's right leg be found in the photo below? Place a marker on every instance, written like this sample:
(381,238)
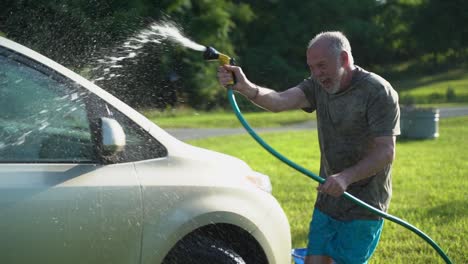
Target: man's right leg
(318,260)
(322,230)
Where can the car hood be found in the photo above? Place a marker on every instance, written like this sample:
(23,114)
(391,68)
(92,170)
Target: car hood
(193,166)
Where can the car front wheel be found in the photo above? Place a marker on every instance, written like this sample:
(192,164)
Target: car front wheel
(202,250)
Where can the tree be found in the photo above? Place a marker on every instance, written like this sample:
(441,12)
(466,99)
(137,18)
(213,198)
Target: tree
(276,40)
(440,27)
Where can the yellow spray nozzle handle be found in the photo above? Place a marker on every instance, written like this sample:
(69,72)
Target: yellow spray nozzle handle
(225,59)
(212,54)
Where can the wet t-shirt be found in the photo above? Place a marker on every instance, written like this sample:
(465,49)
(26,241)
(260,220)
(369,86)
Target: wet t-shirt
(347,122)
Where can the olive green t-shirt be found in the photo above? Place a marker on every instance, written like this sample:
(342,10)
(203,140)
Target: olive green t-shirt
(346,123)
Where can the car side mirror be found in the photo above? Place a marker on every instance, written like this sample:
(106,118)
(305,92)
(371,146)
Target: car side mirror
(112,137)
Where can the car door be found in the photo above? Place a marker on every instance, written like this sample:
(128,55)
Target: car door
(59,202)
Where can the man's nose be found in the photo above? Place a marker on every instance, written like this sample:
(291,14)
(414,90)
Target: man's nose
(316,72)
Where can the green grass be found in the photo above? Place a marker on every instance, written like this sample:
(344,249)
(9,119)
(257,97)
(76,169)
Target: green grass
(430,189)
(435,88)
(194,119)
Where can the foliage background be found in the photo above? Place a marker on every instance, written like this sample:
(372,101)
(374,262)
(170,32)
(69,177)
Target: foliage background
(268,38)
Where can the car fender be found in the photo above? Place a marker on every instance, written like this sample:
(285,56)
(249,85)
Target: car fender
(252,210)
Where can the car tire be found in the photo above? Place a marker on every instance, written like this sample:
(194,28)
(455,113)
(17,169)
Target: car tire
(202,250)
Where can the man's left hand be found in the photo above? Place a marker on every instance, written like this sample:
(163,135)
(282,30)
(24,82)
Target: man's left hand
(335,185)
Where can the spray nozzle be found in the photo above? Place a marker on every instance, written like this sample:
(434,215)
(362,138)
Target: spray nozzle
(212,54)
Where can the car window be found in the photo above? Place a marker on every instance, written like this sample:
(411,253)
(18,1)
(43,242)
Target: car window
(42,118)
(45,117)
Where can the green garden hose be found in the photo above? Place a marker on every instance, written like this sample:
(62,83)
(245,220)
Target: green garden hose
(245,124)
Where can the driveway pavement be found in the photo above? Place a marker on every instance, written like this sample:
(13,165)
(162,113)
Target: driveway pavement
(197,133)
(453,111)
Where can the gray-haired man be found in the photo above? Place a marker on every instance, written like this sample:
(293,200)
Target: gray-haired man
(357,122)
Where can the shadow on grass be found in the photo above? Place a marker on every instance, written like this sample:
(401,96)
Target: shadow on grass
(422,74)
(408,84)
(443,214)
(449,211)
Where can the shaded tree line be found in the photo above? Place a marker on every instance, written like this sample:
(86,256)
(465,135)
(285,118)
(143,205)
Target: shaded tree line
(268,38)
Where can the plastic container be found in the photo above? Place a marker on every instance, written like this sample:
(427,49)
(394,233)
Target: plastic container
(298,255)
(419,123)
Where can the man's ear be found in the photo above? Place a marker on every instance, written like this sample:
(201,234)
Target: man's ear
(344,58)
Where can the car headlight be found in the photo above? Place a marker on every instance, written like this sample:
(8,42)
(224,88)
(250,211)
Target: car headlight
(260,180)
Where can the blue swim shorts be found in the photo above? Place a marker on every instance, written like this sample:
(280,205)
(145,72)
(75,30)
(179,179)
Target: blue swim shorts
(346,242)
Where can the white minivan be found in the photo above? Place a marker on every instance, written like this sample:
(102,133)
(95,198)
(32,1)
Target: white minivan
(84,178)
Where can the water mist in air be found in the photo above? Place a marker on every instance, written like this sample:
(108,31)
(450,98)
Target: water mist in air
(132,47)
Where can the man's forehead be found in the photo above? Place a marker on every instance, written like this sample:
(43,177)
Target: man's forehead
(318,53)
(322,43)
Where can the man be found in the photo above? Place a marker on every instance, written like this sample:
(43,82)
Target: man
(358,120)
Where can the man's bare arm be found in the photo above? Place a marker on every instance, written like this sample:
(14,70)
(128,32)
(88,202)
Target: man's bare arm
(292,98)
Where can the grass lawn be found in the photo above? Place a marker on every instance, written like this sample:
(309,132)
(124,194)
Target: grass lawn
(435,88)
(430,188)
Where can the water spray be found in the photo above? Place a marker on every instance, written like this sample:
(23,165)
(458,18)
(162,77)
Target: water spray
(132,47)
(212,54)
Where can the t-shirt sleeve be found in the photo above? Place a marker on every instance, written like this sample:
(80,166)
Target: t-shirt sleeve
(383,113)
(308,87)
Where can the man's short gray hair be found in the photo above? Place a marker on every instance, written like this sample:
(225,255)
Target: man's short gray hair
(338,42)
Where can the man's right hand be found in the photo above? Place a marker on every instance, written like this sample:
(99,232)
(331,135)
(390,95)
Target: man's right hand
(225,77)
